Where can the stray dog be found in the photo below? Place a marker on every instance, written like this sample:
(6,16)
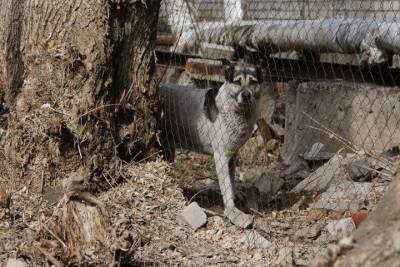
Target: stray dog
(216,121)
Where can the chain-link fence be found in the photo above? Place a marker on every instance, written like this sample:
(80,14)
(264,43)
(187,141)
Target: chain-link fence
(297,105)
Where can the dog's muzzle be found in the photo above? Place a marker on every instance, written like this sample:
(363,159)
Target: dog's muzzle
(245,97)
(245,101)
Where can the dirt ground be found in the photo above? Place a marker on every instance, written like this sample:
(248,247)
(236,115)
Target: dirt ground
(144,213)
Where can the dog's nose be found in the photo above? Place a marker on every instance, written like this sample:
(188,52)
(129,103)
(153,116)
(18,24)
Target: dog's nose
(246,96)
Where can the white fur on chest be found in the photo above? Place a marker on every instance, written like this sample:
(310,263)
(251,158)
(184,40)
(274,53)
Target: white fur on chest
(231,132)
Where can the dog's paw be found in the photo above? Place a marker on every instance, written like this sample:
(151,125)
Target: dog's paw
(239,218)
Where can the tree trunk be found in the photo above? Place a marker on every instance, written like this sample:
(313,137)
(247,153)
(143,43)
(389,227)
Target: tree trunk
(76,77)
(377,241)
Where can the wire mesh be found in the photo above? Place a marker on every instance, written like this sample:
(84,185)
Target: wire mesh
(296,104)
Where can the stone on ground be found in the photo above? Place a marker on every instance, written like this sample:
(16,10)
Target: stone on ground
(15,263)
(341,228)
(194,216)
(322,177)
(317,153)
(310,232)
(345,195)
(251,239)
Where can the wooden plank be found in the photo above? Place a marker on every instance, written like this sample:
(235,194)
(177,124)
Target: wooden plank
(284,70)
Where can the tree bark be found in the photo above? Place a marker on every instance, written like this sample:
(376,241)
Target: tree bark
(76,77)
(377,241)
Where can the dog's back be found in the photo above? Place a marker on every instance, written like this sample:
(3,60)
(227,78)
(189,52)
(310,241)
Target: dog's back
(201,120)
(183,119)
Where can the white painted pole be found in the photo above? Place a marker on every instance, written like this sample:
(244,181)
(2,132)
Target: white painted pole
(233,11)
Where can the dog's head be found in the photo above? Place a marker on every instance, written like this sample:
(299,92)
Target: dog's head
(239,94)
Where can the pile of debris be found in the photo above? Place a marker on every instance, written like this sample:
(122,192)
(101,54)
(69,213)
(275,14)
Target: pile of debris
(157,215)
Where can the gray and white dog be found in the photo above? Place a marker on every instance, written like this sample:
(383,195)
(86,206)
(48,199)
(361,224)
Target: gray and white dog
(216,121)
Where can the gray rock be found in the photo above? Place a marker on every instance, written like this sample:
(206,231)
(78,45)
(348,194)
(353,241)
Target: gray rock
(15,263)
(269,184)
(267,181)
(296,164)
(335,172)
(297,168)
(360,167)
(316,153)
(322,177)
(341,227)
(357,171)
(251,239)
(194,216)
(311,232)
(344,195)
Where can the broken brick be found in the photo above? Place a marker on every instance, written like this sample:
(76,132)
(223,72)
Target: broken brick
(358,217)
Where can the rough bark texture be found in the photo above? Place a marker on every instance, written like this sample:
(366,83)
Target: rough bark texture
(78,82)
(134,67)
(76,77)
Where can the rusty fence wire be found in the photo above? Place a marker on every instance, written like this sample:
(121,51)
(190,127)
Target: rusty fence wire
(284,115)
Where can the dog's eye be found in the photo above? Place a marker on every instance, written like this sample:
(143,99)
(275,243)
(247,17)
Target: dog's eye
(237,81)
(253,81)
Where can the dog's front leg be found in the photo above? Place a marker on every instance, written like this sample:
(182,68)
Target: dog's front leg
(232,174)
(236,216)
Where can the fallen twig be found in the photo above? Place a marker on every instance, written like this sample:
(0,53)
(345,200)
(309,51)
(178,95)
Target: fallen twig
(54,235)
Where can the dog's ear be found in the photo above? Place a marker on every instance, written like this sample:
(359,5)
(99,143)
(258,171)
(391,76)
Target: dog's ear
(229,71)
(210,106)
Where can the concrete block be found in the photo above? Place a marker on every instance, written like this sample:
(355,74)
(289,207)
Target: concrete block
(366,115)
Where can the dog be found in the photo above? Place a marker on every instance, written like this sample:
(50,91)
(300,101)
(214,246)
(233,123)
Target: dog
(215,121)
